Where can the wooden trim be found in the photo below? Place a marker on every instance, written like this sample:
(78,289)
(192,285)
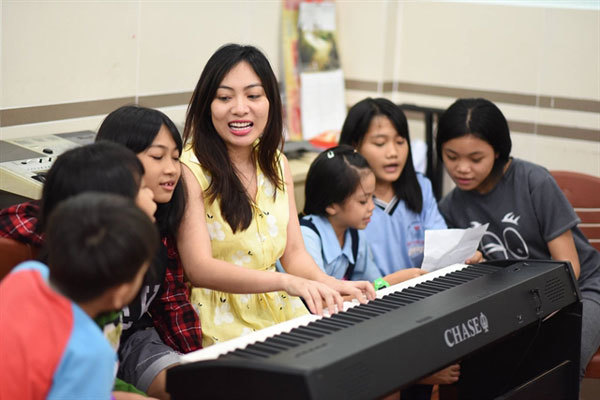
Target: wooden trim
(53,112)
(560,103)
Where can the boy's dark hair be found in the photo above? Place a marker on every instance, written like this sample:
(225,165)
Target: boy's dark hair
(101,167)
(135,127)
(480,118)
(356,126)
(97,241)
(210,148)
(332,177)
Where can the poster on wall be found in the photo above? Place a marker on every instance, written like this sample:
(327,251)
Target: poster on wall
(291,82)
(322,93)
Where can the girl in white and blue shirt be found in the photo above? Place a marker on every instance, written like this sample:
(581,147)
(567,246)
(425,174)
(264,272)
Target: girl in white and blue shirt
(404,200)
(338,206)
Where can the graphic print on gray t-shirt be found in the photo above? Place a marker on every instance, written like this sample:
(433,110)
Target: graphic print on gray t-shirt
(510,245)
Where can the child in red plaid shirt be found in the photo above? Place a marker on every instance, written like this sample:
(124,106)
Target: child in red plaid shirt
(171,325)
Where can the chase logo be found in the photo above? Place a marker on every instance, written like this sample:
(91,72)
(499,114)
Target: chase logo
(466,330)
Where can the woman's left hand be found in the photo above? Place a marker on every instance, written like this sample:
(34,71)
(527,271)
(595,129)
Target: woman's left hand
(359,290)
(475,258)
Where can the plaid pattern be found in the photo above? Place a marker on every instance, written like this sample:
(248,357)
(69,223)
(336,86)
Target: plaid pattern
(174,317)
(172,314)
(19,222)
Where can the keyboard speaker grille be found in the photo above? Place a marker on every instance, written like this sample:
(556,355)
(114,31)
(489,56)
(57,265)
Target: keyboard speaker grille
(554,289)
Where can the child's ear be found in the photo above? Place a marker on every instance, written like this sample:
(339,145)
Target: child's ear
(332,209)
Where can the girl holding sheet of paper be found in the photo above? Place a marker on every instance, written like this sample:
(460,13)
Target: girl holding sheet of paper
(528,215)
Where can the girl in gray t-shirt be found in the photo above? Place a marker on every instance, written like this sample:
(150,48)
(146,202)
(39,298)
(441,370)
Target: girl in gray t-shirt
(529,217)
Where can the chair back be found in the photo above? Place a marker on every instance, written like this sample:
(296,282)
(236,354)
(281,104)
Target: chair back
(583,192)
(12,253)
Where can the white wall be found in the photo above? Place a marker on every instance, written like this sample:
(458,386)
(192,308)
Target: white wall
(541,64)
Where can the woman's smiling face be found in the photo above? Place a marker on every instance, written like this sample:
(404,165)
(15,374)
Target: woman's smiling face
(240,109)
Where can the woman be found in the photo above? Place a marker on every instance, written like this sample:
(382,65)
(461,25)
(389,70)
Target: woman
(239,211)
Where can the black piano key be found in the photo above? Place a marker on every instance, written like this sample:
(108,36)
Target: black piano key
(403,298)
(452,281)
(341,324)
(363,311)
(465,275)
(479,271)
(486,269)
(237,354)
(323,325)
(456,275)
(445,285)
(251,353)
(346,317)
(402,301)
(310,332)
(297,338)
(387,300)
(430,290)
(434,286)
(424,289)
(260,346)
(299,335)
(318,328)
(410,293)
(352,313)
(275,342)
(417,292)
(270,344)
(378,308)
(282,341)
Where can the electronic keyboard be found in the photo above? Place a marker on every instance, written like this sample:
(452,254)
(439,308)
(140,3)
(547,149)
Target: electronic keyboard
(368,350)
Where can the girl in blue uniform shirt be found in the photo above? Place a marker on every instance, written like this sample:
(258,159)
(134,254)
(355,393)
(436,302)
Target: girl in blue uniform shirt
(404,203)
(338,207)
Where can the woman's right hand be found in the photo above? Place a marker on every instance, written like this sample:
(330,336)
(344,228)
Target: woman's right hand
(314,293)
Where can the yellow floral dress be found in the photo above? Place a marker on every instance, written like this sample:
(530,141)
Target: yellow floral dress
(224,315)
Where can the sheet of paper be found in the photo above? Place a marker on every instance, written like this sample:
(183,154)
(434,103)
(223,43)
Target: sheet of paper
(450,246)
(322,102)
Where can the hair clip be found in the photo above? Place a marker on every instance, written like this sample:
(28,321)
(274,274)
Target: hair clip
(330,154)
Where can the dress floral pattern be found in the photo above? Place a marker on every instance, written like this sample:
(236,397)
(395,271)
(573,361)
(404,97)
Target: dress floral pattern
(224,315)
